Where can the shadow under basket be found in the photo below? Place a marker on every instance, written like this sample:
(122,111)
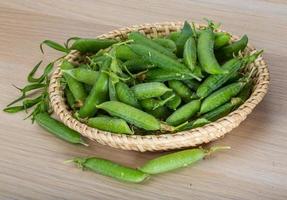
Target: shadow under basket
(190,138)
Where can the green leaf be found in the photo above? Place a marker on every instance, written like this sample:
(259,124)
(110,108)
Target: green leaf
(46,72)
(54,45)
(13,109)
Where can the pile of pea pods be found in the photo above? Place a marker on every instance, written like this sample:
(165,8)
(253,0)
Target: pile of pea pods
(143,86)
(160,85)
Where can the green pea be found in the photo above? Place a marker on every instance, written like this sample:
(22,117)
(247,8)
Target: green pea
(186,32)
(110,124)
(189,53)
(174,102)
(141,39)
(181,90)
(98,94)
(206,57)
(126,95)
(123,52)
(149,90)
(86,76)
(111,169)
(221,96)
(184,113)
(57,128)
(221,39)
(177,160)
(85,45)
(131,115)
(166,43)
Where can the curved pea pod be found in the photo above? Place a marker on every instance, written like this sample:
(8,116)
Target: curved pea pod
(221,39)
(228,51)
(206,57)
(173,36)
(192,84)
(177,160)
(186,32)
(98,94)
(181,90)
(123,52)
(111,169)
(162,61)
(184,113)
(58,129)
(190,54)
(149,90)
(162,75)
(215,81)
(131,115)
(137,65)
(141,39)
(90,45)
(166,43)
(174,102)
(126,95)
(83,75)
(221,96)
(160,112)
(110,124)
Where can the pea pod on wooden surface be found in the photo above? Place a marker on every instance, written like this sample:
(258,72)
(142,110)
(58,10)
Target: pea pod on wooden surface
(57,128)
(181,90)
(111,169)
(149,90)
(184,113)
(126,95)
(205,51)
(90,45)
(141,39)
(110,124)
(177,160)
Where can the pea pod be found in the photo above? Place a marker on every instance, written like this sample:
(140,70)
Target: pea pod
(184,113)
(112,90)
(152,104)
(130,114)
(174,102)
(221,96)
(110,124)
(27,103)
(161,112)
(136,65)
(162,61)
(87,45)
(186,32)
(162,75)
(189,53)
(123,52)
(206,57)
(228,51)
(149,90)
(166,43)
(141,39)
(58,129)
(181,90)
(192,84)
(98,94)
(82,75)
(111,169)
(70,98)
(177,160)
(173,36)
(126,95)
(221,39)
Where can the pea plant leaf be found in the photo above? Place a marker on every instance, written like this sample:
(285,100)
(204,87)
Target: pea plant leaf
(54,45)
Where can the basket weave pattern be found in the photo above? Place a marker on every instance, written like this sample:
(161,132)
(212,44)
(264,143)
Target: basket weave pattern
(183,139)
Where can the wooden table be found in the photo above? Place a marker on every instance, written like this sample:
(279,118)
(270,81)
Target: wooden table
(31,160)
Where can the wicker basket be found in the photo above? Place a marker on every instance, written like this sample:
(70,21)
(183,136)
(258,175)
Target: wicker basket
(183,139)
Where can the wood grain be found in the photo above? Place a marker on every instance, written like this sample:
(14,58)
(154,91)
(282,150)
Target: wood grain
(31,160)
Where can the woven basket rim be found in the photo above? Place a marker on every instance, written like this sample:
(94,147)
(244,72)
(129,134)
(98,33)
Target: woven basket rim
(193,137)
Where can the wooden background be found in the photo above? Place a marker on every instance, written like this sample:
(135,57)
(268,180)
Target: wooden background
(31,160)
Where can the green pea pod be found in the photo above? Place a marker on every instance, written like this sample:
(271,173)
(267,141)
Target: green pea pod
(112,90)
(221,96)
(53,45)
(57,128)
(162,61)
(130,114)
(246,91)
(206,57)
(198,72)
(181,90)
(111,169)
(192,84)
(98,94)
(221,39)
(137,65)
(173,36)
(126,95)
(142,40)
(123,52)
(174,102)
(184,113)
(152,104)
(85,45)
(185,33)
(13,109)
(232,49)
(83,75)
(160,112)
(110,124)
(177,160)
(189,53)
(70,98)
(166,43)
(161,75)
(149,90)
